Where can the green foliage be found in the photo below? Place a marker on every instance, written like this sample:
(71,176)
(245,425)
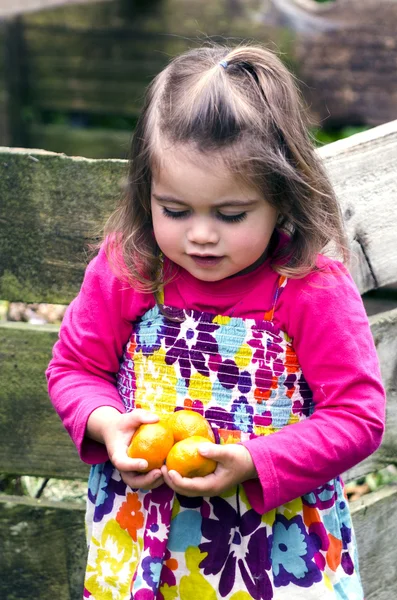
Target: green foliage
(327,136)
(12,485)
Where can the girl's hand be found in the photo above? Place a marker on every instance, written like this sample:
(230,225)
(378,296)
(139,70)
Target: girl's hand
(235,465)
(117,436)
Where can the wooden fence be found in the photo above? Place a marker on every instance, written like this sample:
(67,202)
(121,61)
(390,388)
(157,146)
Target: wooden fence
(51,207)
(72,78)
(88,65)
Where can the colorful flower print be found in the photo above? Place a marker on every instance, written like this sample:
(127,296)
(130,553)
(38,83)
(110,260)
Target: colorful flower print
(111,568)
(185,530)
(126,385)
(225,544)
(151,570)
(230,337)
(280,406)
(194,585)
(219,418)
(348,588)
(265,384)
(318,535)
(242,415)
(167,573)
(200,388)
(322,497)
(267,350)
(130,516)
(189,342)
(156,532)
(143,594)
(155,382)
(131,346)
(148,331)
(221,395)
(102,489)
(244,382)
(163,497)
(196,405)
(292,552)
(228,373)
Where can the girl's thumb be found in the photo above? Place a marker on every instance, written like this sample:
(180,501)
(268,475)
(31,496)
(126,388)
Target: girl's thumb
(211,450)
(139,416)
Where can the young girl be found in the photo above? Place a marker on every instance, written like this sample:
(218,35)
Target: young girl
(210,293)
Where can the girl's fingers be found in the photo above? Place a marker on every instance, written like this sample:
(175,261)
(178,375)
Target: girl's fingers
(123,462)
(144,481)
(136,417)
(196,486)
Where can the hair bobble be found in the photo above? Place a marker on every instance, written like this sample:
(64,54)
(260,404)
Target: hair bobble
(224,63)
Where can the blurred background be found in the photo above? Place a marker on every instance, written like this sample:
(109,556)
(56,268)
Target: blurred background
(73,72)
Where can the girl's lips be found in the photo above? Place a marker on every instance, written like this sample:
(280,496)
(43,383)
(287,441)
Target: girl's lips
(206,261)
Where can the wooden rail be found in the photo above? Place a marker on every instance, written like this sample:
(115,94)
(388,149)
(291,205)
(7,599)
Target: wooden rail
(51,207)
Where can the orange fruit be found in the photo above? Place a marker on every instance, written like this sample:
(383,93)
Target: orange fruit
(151,441)
(185,458)
(185,423)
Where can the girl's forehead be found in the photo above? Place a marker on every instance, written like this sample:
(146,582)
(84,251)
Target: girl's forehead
(183,173)
(183,162)
(181,159)
(174,156)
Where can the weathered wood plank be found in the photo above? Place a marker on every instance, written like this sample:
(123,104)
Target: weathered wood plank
(92,142)
(214,17)
(33,442)
(363,171)
(56,205)
(345,53)
(52,208)
(32,439)
(376,530)
(97,96)
(43,550)
(108,68)
(100,46)
(384,331)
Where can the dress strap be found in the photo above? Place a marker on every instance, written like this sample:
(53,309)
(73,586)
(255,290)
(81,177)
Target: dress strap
(281,283)
(160,295)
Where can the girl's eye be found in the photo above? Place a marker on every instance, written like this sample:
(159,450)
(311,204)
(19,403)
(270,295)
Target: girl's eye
(232,218)
(175,214)
(181,214)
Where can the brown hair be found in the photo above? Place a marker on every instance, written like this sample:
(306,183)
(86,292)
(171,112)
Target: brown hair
(244,104)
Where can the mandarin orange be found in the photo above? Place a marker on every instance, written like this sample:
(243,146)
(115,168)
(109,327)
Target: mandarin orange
(185,458)
(151,441)
(185,423)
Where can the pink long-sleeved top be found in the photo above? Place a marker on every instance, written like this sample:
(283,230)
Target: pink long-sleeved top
(322,313)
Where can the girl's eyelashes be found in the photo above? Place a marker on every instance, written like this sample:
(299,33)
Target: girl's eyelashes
(180,214)
(232,218)
(175,214)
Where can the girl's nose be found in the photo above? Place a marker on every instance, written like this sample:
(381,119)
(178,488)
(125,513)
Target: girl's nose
(202,232)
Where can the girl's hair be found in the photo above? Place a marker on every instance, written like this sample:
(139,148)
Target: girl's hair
(243,105)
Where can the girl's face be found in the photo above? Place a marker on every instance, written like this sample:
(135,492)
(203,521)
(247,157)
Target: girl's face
(205,219)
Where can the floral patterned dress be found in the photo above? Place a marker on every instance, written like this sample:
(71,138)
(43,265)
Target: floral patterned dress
(243,376)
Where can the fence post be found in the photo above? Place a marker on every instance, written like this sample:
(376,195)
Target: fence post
(14,87)
(4,123)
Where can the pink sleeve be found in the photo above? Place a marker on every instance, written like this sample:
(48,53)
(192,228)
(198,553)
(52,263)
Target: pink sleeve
(327,322)
(82,373)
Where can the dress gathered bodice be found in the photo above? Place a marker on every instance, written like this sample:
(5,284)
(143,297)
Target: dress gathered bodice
(244,376)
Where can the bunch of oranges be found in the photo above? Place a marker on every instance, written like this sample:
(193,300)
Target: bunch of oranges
(175,440)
